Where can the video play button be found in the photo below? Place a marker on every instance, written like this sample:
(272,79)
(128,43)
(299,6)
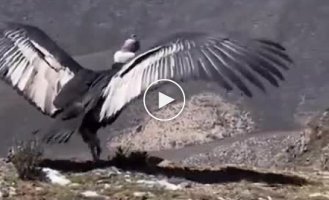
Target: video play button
(166,102)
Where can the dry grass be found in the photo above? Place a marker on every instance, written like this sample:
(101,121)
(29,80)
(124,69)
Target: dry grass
(125,158)
(26,157)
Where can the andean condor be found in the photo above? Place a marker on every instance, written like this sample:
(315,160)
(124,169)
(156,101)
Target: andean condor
(82,100)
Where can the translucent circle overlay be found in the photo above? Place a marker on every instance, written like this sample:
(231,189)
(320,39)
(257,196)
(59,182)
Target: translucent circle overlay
(156,82)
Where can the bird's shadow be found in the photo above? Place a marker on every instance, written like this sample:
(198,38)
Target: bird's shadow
(150,166)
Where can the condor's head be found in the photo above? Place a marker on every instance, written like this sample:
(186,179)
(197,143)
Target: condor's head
(128,50)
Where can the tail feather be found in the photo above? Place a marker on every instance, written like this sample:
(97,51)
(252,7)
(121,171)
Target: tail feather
(62,130)
(59,137)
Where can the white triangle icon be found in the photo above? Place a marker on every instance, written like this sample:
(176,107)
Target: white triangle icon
(164,100)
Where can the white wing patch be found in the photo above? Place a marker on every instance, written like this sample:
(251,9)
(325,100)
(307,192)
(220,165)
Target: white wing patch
(32,70)
(121,90)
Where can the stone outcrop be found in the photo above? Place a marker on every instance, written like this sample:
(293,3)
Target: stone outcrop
(206,117)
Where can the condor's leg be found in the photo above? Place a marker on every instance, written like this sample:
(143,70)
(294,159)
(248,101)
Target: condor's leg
(90,137)
(88,130)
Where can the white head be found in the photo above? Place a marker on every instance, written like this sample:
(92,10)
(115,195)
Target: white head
(127,51)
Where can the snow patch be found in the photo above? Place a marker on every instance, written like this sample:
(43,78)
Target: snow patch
(93,194)
(55,176)
(162,183)
(90,193)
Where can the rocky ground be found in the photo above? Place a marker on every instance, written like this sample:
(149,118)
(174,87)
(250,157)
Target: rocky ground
(262,167)
(162,180)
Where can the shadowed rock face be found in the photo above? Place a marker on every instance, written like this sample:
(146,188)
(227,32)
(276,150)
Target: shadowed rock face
(86,27)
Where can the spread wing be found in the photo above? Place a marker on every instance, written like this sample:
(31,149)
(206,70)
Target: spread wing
(34,65)
(228,61)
